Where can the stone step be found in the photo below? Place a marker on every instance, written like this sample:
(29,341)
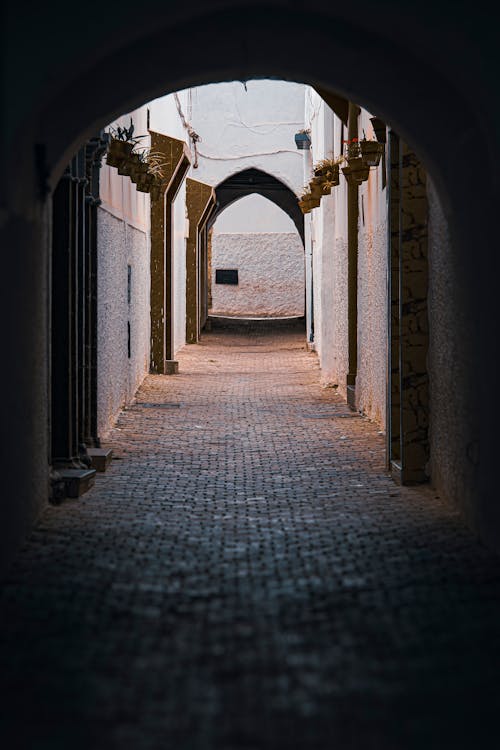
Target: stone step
(77,481)
(100,457)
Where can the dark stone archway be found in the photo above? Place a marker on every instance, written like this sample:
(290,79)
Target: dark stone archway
(432,83)
(251,181)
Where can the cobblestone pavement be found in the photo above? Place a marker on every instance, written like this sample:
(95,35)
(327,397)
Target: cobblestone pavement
(247,577)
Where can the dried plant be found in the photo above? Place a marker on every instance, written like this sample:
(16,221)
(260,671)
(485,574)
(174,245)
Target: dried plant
(329,163)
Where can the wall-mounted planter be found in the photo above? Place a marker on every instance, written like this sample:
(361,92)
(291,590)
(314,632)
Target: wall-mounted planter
(139,168)
(371,151)
(356,171)
(316,189)
(320,186)
(144,182)
(303,139)
(118,151)
(329,172)
(128,165)
(308,202)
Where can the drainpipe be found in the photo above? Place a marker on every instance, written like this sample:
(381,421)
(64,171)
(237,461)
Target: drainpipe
(352,267)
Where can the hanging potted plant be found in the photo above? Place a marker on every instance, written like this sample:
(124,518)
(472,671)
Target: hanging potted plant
(371,151)
(144,182)
(326,176)
(357,170)
(328,170)
(327,186)
(121,143)
(138,166)
(152,166)
(308,201)
(316,188)
(303,138)
(128,166)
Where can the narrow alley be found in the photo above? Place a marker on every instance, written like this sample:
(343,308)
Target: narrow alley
(247,575)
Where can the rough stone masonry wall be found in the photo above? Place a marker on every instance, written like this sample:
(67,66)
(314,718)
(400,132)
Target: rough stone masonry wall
(454,460)
(270,273)
(119,375)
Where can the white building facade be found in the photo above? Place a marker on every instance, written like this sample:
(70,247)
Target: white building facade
(229,128)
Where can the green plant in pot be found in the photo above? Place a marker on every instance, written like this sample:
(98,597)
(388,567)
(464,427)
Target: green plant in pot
(121,144)
(328,170)
(357,170)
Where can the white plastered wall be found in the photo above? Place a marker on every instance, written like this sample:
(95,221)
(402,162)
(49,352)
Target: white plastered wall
(247,127)
(328,229)
(259,240)
(330,269)
(241,128)
(123,240)
(371,380)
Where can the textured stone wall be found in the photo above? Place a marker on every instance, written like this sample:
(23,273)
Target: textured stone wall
(414,322)
(119,375)
(454,463)
(271,274)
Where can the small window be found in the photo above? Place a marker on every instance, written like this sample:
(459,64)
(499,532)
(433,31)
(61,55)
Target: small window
(226,276)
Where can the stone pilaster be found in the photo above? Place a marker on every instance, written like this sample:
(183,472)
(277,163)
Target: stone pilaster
(176,158)
(200,202)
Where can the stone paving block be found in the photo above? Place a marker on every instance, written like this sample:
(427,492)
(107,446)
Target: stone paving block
(246,576)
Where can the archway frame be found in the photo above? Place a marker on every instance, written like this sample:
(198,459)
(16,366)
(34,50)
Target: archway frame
(253,181)
(431,101)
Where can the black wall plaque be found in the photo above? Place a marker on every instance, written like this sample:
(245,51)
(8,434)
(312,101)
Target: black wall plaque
(226,275)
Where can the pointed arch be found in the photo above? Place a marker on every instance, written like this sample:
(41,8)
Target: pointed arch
(254,180)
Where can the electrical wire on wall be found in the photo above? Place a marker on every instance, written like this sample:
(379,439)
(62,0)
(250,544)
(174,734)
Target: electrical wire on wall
(250,156)
(193,135)
(252,128)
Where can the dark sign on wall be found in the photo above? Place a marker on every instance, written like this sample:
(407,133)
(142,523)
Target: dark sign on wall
(226,276)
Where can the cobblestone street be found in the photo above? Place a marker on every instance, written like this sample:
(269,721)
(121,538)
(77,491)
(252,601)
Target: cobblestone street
(246,576)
